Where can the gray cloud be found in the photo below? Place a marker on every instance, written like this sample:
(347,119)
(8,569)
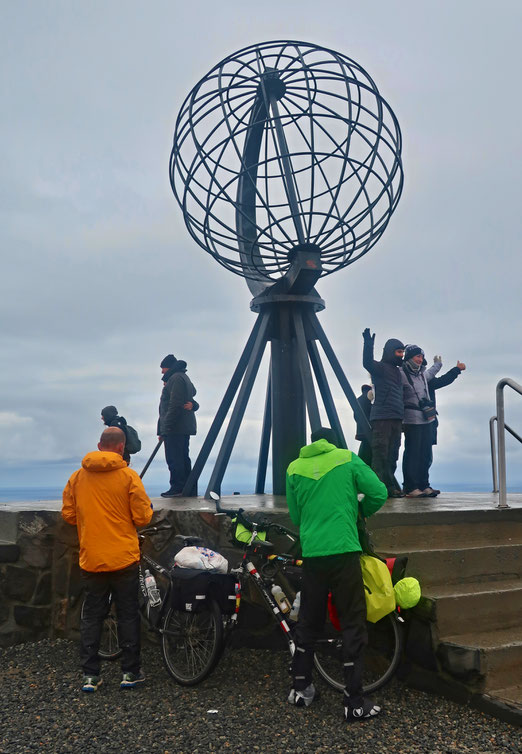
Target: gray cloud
(100,278)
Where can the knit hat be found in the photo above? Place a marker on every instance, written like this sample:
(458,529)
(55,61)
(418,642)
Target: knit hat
(108,413)
(168,361)
(410,351)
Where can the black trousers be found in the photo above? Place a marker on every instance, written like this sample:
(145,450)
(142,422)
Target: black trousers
(123,585)
(340,574)
(178,461)
(386,441)
(417,456)
(365,451)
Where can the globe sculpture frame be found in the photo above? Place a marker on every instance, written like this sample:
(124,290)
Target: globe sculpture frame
(287,166)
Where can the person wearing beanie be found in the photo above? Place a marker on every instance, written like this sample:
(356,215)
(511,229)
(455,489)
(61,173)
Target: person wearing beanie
(177,421)
(387,410)
(435,384)
(419,413)
(110,418)
(322,489)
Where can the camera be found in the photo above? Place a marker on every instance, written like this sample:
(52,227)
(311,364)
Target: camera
(428,408)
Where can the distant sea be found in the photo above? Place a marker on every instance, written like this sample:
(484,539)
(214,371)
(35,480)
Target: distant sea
(17,494)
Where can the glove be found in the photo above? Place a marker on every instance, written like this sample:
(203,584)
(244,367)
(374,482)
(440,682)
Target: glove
(437,359)
(368,337)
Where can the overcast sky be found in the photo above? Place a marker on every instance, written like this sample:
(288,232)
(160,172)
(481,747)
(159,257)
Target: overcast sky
(100,278)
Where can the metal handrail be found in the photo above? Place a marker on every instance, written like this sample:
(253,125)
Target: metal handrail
(501,437)
(493,444)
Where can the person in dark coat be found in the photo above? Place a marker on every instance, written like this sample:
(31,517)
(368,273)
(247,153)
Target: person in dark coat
(110,418)
(365,402)
(387,410)
(177,421)
(435,384)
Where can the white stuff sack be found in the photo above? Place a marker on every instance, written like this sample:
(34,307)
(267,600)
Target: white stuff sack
(201,558)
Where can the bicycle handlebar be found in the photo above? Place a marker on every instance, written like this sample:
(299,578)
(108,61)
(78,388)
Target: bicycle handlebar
(261,522)
(154,530)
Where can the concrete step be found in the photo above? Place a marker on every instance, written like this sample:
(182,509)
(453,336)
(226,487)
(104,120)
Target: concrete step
(494,655)
(512,696)
(462,565)
(463,608)
(456,535)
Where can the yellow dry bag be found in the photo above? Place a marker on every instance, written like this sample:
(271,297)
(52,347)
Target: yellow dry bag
(378,588)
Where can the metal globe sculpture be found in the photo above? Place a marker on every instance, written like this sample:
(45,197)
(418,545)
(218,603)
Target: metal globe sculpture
(285,144)
(287,166)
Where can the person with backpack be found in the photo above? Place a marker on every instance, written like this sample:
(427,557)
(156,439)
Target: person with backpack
(110,418)
(322,488)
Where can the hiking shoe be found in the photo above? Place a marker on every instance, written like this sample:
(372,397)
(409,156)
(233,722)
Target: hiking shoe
(91,683)
(430,492)
(415,493)
(304,697)
(130,680)
(396,493)
(366,710)
(170,493)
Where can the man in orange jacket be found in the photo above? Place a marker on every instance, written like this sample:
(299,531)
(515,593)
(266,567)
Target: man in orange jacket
(106,500)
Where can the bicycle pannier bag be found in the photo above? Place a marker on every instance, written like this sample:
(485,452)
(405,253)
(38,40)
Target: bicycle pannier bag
(192,588)
(378,588)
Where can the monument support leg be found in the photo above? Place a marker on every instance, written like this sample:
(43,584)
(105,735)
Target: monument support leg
(265,438)
(338,371)
(325,391)
(222,411)
(239,409)
(288,409)
(306,373)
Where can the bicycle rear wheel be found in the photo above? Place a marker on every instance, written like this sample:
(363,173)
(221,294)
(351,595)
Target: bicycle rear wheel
(381,657)
(191,643)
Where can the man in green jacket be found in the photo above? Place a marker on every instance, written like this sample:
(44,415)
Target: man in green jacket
(321,491)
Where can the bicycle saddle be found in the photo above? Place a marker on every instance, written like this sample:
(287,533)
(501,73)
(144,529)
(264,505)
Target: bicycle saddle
(188,540)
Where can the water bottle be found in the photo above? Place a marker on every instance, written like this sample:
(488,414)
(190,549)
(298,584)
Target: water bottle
(294,612)
(281,599)
(152,590)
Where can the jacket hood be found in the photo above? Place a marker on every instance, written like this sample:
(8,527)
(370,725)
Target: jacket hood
(388,352)
(103,460)
(316,449)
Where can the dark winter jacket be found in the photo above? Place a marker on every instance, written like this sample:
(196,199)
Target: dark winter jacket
(366,407)
(435,384)
(173,418)
(386,378)
(121,423)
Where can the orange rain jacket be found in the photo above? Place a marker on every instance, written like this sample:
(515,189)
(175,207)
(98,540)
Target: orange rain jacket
(106,500)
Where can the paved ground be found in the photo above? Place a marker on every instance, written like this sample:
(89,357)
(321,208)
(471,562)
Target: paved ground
(240,708)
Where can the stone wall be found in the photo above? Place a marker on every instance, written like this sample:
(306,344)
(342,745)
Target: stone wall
(40,580)
(26,575)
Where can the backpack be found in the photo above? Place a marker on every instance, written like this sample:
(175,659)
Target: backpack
(133,442)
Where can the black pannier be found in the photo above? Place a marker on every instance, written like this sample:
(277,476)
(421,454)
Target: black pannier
(192,588)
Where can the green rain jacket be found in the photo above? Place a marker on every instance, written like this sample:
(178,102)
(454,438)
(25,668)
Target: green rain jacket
(321,491)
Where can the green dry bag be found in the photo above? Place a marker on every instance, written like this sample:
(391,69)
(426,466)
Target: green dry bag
(378,588)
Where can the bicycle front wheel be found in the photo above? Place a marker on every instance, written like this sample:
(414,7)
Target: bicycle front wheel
(381,657)
(191,643)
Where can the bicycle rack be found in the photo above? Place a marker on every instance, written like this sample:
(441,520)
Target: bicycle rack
(499,481)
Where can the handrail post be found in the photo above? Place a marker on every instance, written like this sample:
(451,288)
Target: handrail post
(493,444)
(501,437)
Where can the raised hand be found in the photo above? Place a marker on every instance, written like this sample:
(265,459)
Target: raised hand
(368,336)
(461,366)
